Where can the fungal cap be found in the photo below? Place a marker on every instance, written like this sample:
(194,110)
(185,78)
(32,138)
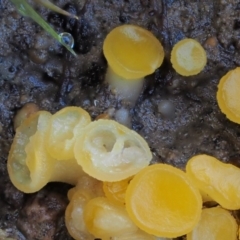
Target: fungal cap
(132,52)
(63,129)
(188,57)
(109,151)
(215,223)
(154,201)
(221,181)
(228,95)
(29,166)
(104,219)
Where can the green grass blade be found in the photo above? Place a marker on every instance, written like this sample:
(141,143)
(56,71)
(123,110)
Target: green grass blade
(26,10)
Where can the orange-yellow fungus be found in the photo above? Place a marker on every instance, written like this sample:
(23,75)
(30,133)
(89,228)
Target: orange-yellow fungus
(161,200)
(64,126)
(132,52)
(109,151)
(25,170)
(219,180)
(30,167)
(215,224)
(188,57)
(228,95)
(105,219)
(74,216)
(115,191)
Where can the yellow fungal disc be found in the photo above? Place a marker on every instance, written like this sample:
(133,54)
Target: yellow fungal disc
(29,165)
(115,191)
(215,224)
(188,57)
(219,180)
(105,219)
(109,151)
(162,201)
(64,126)
(74,215)
(132,52)
(228,95)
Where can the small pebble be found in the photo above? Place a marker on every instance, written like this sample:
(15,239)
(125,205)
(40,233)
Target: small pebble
(166,108)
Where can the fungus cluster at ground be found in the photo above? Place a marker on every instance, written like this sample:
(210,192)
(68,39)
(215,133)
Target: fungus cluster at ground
(117,195)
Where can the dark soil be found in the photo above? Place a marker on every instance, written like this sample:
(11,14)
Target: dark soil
(35,68)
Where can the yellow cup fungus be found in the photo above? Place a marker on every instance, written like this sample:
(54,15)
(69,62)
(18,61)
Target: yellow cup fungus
(188,57)
(104,219)
(64,127)
(219,180)
(132,53)
(215,224)
(161,200)
(30,167)
(108,151)
(228,95)
(25,170)
(86,189)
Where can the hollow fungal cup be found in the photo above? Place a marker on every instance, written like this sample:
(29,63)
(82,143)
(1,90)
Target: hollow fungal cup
(132,53)
(30,166)
(108,151)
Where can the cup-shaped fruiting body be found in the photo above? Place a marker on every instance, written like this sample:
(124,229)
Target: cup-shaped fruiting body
(105,219)
(26,171)
(162,201)
(188,57)
(63,129)
(132,53)
(109,151)
(215,224)
(221,181)
(30,167)
(228,95)
(86,189)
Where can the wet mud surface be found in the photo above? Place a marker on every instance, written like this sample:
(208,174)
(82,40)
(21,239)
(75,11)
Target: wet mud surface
(34,68)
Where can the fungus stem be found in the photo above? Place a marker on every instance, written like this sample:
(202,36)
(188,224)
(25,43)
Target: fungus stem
(128,90)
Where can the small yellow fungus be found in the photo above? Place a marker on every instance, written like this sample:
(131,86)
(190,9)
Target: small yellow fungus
(161,200)
(108,151)
(188,57)
(86,189)
(115,191)
(25,171)
(132,53)
(30,167)
(215,224)
(63,129)
(74,216)
(219,180)
(228,95)
(105,219)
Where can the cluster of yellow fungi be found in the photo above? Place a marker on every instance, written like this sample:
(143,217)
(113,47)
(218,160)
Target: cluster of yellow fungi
(116,194)
(133,53)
